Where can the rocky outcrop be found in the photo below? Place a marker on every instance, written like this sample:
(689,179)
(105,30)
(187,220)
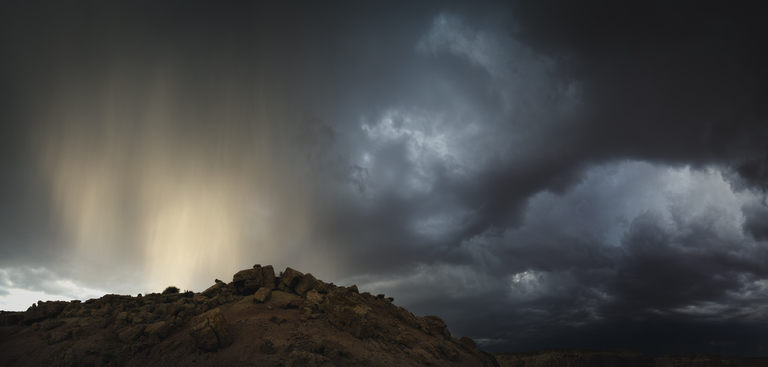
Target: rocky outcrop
(289,279)
(257,319)
(305,284)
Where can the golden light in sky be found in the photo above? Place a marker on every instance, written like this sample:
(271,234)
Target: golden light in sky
(183,206)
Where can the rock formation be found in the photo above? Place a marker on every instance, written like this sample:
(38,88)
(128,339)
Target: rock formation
(257,319)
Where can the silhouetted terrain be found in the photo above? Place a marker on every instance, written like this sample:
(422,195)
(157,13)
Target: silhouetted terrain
(256,320)
(260,319)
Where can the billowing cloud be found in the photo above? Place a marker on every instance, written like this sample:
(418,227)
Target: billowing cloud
(631,242)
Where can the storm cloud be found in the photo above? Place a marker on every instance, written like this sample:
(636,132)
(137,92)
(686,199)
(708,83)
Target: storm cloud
(541,174)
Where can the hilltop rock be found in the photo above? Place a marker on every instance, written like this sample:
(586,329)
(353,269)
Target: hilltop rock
(268,274)
(248,281)
(288,279)
(306,283)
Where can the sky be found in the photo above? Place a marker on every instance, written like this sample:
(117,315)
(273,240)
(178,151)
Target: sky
(545,174)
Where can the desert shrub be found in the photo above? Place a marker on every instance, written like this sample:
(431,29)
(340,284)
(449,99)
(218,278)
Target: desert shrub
(171,290)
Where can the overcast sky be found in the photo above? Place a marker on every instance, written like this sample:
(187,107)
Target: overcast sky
(542,175)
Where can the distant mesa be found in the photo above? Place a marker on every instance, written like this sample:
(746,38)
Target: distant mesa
(260,318)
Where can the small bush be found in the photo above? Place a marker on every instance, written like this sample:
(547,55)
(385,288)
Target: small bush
(171,290)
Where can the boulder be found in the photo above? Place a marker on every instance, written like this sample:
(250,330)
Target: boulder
(248,281)
(268,275)
(210,331)
(249,287)
(282,299)
(305,284)
(247,274)
(262,295)
(289,278)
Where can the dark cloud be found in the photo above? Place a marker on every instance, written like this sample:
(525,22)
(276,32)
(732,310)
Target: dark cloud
(672,81)
(756,220)
(631,245)
(543,174)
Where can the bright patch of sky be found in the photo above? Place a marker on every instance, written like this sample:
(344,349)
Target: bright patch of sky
(21,287)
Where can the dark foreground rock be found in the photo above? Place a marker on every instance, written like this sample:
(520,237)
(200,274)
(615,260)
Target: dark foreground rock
(258,319)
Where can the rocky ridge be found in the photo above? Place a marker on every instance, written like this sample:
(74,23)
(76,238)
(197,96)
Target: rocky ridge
(258,319)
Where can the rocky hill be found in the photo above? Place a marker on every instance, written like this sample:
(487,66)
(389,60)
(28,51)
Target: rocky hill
(257,319)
